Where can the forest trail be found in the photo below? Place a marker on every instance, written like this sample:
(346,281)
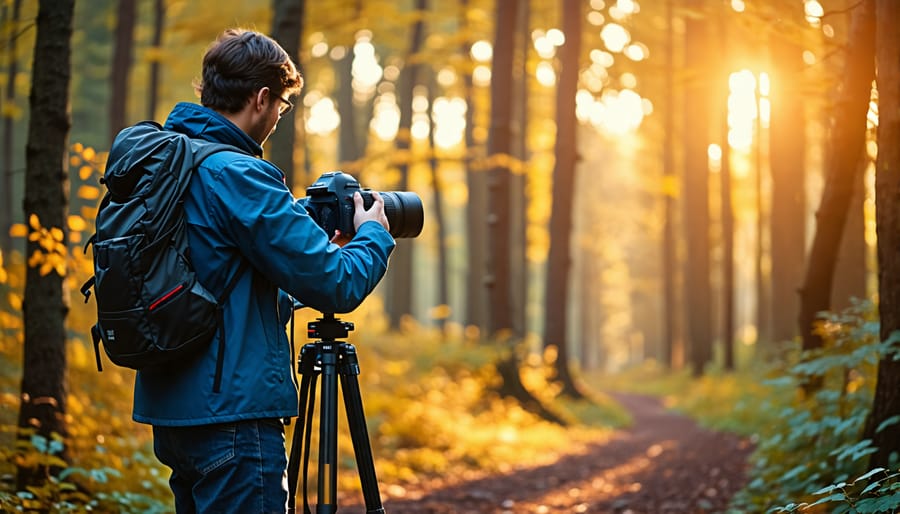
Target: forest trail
(663,463)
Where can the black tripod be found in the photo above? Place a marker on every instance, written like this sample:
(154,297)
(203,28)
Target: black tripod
(329,357)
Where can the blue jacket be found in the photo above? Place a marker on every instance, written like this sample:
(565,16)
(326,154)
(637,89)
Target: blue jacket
(238,207)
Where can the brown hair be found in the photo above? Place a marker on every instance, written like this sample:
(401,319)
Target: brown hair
(241,62)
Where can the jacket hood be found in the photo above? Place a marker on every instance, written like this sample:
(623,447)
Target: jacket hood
(201,122)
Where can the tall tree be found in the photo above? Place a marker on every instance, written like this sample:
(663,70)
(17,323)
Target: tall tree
(476,211)
(159,19)
(887,206)
(400,297)
(121,66)
(845,146)
(349,143)
(787,144)
(500,321)
(519,179)
(725,192)
(499,251)
(850,271)
(696,194)
(287,29)
(559,259)
(43,396)
(12,69)
(669,194)
(438,201)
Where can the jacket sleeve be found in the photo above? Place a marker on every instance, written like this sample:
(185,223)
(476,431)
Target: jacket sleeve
(256,210)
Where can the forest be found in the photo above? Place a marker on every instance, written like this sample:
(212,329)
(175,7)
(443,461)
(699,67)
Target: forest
(659,269)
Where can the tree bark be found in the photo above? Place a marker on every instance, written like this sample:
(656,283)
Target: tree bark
(438,200)
(476,210)
(159,21)
(500,320)
(851,269)
(559,259)
(519,179)
(669,263)
(887,205)
(287,30)
(6,214)
(43,406)
(121,66)
(845,146)
(350,148)
(696,196)
(787,144)
(400,297)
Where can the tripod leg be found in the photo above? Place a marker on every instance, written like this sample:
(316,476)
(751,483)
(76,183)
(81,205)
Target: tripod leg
(303,427)
(358,432)
(327,497)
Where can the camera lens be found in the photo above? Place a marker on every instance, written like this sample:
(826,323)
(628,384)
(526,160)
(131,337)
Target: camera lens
(404,213)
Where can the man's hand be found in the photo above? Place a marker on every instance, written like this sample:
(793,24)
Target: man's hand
(375,212)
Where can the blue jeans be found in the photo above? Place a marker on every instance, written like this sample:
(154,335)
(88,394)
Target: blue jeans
(228,467)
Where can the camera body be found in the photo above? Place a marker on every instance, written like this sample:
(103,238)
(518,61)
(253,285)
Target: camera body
(330,203)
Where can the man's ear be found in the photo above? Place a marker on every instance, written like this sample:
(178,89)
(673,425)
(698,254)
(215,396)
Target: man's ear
(262,96)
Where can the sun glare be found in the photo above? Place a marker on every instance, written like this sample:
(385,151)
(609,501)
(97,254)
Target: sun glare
(482,51)
(742,109)
(366,71)
(323,117)
(449,121)
(814,12)
(615,37)
(386,117)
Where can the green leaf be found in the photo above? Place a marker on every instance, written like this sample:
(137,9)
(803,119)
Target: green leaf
(869,474)
(893,420)
(830,498)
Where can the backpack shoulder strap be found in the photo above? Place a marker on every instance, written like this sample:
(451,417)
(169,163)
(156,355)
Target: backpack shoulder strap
(203,149)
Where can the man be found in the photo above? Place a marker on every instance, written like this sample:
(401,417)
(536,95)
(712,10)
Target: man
(226,449)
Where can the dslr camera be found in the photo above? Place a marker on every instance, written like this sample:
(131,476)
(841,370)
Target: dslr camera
(330,203)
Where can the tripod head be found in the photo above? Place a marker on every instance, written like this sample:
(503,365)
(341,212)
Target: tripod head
(328,328)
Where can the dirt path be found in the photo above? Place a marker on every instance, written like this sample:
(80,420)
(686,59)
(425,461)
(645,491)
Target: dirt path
(664,463)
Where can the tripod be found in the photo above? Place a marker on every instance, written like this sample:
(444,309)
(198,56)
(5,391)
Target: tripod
(330,358)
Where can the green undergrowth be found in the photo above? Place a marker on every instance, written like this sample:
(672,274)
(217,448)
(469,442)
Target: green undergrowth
(811,450)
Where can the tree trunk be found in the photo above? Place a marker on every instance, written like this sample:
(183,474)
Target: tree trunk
(349,150)
(159,20)
(6,212)
(519,179)
(787,144)
(696,196)
(121,67)
(887,206)
(851,269)
(845,145)
(499,290)
(287,30)
(476,210)
(399,300)
(728,291)
(348,146)
(725,195)
(43,406)
(559,259)
(440,224)
(669,195)
(500,321)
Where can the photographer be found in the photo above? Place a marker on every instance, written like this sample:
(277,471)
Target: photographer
(226,449)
